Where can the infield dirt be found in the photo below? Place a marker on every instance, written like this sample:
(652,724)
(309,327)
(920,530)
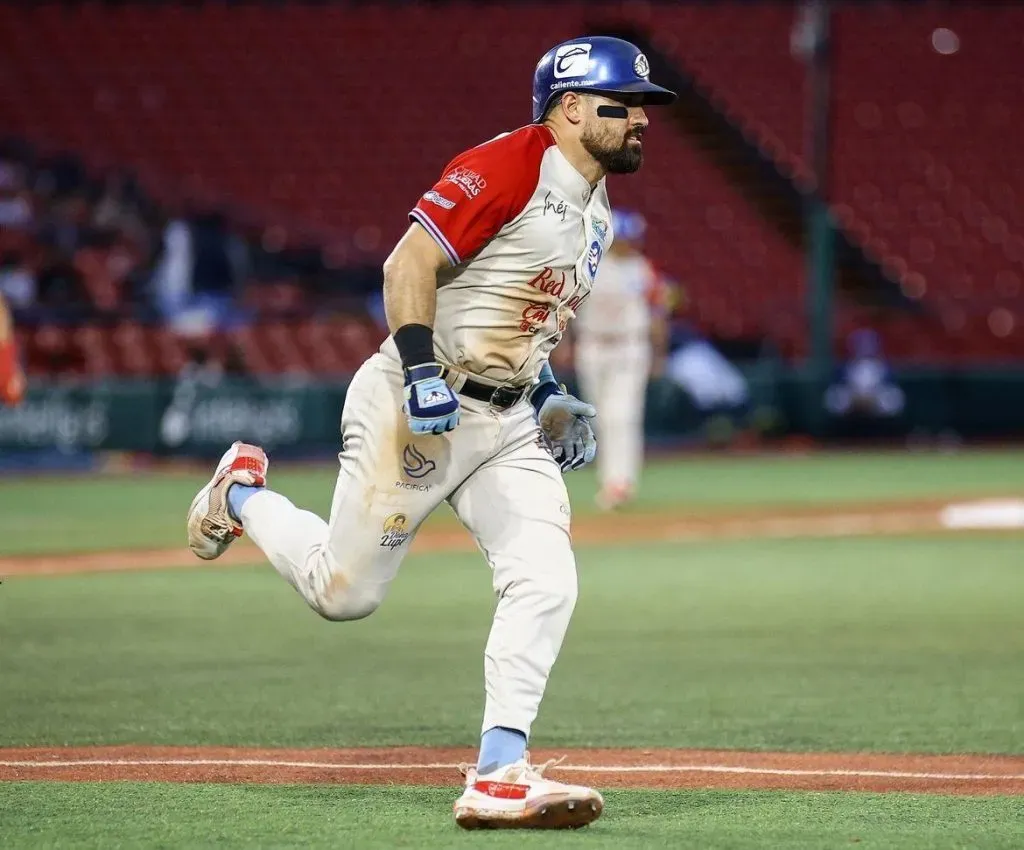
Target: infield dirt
(601,768)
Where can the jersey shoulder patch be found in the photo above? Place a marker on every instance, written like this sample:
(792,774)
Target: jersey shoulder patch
(482,189)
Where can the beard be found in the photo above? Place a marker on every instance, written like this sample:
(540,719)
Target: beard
(621,158)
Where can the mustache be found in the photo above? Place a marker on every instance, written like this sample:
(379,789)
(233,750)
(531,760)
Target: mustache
(636,133)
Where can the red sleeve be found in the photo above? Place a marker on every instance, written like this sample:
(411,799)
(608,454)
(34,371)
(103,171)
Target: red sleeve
(481,190)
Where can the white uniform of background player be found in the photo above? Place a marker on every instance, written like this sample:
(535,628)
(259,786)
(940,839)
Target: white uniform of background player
(459,405)
(620,335)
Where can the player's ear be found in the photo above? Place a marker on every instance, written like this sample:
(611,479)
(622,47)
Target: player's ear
(573,107)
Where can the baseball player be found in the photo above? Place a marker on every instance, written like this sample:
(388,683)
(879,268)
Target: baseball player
(460,405)
(12,378)
(621,336)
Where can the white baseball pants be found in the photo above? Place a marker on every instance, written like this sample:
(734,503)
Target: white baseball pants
(504,487)
(613,378)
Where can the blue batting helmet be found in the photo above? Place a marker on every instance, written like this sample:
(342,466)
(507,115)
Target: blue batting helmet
(598,64)
(628,225)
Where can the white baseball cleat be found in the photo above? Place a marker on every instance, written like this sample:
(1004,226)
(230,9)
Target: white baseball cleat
(614,496)
(517,796)
(211,529)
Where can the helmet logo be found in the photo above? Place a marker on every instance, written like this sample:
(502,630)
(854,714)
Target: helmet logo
(572,60)
(641,66)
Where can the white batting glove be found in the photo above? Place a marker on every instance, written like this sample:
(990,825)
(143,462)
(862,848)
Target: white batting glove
(564,421)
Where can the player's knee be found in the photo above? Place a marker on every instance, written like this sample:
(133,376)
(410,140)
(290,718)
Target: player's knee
(343,597)
(557,584)
(349,603)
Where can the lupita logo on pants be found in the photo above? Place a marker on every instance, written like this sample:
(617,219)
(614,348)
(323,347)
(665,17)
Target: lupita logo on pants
(415,463)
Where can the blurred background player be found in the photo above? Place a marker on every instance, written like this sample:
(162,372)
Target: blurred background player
(865,383)
(621,341)
(12,379)
(864,397)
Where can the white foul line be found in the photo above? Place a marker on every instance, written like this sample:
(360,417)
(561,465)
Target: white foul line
(582,768)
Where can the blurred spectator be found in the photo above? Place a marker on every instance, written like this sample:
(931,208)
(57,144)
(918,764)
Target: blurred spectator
(171,281)
(59,287)
(17,283)
(103,263)
(116,207)
(15,209)
(865,387)
(77,248)
(198,278)
(713,384)
(63,222)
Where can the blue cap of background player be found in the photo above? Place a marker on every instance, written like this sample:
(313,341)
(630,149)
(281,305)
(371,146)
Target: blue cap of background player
(598,64)
(628,226)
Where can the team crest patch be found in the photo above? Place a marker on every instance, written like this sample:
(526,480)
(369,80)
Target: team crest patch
(395,531)
(594,258)
(600,227)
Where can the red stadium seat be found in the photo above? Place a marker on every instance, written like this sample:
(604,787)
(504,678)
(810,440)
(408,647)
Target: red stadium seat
(280,109)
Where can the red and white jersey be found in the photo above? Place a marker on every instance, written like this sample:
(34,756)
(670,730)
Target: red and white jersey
(525,234)
(628,292)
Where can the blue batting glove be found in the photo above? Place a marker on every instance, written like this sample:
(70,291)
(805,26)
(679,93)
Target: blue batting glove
(430,405)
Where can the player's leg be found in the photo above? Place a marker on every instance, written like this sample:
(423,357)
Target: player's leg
(12,379)
(606,425)
(621,382)
(593,374)
(588,372)
(517,508)
(623,420)
(388,482)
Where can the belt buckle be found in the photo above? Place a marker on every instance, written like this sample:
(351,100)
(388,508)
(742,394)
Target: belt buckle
(504,397)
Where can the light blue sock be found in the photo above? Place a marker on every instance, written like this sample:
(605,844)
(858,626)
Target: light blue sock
(500,746)
(237,495)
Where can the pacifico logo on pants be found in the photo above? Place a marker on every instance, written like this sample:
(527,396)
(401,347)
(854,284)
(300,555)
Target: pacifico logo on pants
(415,464)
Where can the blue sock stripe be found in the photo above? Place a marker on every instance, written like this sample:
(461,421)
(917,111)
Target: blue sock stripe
(500,746)
(237,496)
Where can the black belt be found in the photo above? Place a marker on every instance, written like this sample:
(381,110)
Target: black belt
(501,398)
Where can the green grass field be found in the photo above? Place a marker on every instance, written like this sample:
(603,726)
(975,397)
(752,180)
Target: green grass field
(151,508)
(801,644)
(897,644)
(162,815)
